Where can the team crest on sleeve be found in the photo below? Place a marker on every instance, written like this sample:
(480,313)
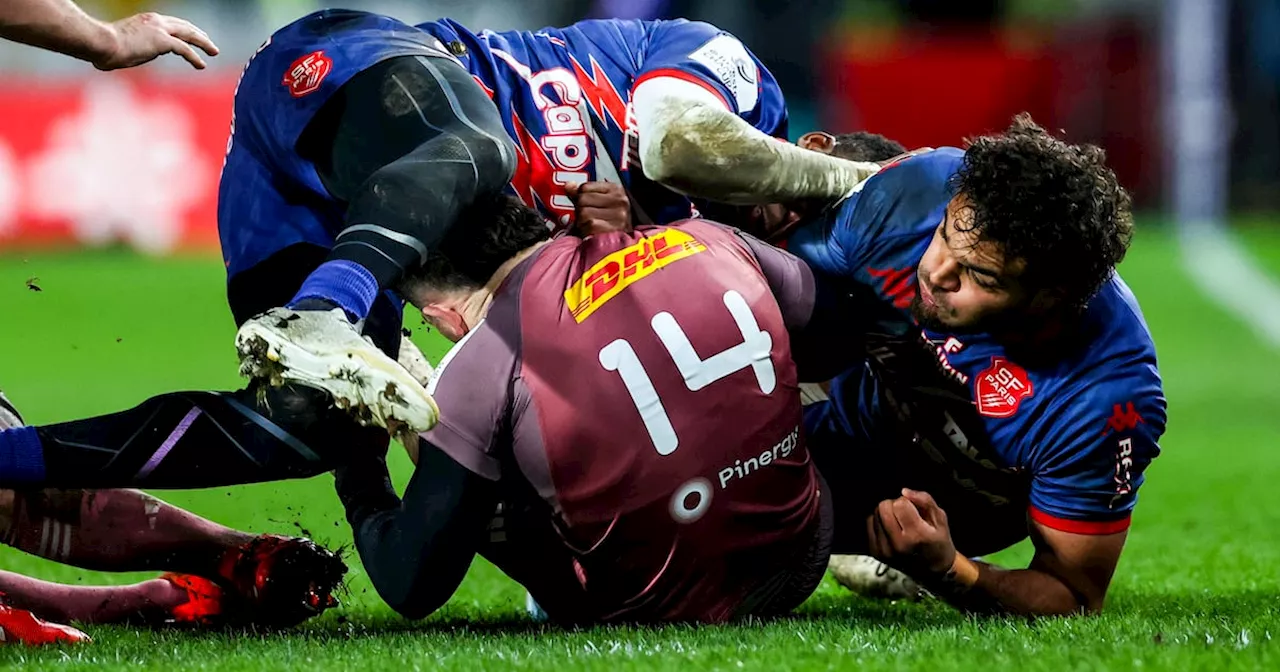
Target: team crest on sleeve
(1000,389)
(305,74)
(725,56)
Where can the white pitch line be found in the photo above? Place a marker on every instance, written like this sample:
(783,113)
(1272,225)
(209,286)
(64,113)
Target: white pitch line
(1214,259)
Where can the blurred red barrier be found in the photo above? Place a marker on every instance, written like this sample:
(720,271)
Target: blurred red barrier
(112,158)
(933,89)
(1096,80)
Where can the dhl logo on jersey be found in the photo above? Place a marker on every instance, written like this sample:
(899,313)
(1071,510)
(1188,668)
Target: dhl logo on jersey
(609,276)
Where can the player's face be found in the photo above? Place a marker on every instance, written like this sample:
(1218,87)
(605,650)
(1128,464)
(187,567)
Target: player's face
(964,284)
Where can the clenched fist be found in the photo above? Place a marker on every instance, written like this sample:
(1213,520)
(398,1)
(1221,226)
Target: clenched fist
(910,533)
(600,207)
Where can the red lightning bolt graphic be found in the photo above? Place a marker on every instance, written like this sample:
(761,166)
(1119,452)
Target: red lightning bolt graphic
(897,285)
(600,93)
(533,180)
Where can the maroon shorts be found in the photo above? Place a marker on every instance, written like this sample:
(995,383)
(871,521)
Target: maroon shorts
(791,587)
(525,546)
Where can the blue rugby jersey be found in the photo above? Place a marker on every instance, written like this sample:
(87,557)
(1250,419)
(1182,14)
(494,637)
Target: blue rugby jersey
(1064,439)
(564,95)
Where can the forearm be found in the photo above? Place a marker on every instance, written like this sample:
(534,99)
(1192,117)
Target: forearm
(416,551)
(979,587)
(695,146)
(58,25)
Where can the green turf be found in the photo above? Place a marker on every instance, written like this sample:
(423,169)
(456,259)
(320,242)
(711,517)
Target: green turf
(1198,587)
(1262,239)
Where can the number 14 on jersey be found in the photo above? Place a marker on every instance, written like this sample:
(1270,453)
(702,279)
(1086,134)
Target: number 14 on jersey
(752,352)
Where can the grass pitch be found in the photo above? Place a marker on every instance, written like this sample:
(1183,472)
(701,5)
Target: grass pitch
(1198,587)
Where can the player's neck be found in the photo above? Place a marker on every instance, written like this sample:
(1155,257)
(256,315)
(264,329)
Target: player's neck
(1042,335)
(475,306)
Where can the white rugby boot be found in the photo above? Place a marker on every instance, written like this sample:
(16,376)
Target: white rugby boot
(322,349)
(866,576)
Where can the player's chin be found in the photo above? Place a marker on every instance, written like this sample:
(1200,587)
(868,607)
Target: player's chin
(937,318)
(924,315)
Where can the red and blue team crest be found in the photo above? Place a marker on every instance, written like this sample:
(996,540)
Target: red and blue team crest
(1000,389)
(305,74)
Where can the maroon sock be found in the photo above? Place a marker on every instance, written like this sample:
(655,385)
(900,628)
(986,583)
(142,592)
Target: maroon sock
(146,601)
(117,531)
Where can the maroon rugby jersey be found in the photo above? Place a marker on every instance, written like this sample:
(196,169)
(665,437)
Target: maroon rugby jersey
(641,385)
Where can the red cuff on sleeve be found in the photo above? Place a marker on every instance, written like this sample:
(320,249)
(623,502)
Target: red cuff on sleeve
(1093,527)
(686,76)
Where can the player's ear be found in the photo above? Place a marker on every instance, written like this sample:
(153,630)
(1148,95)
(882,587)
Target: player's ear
(1044,300)
(817,141)
(448,321)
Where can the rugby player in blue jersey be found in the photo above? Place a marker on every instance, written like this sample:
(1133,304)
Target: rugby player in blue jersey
(1010,387)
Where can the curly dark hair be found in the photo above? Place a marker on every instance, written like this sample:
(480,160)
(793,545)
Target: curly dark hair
(1054,205)
(489,232)
(866,146)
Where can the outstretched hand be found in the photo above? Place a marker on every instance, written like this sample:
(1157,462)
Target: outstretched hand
(144,37)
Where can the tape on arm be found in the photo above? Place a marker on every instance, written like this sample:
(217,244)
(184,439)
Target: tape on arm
(691,142)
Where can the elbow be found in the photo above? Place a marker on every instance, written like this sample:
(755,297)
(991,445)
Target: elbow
(677,143)
(410,611)
(409,606)
(664,159)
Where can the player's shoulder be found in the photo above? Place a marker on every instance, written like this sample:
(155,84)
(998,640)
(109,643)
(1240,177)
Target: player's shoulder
(920,183)
(1115,348)
(1111,379)
(630,31)
(928,173)
(889,215)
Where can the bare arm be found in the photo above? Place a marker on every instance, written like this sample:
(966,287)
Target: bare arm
(61,26)
(1069,574)
(690,142)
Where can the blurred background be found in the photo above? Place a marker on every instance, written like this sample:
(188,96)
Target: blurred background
(1163,85)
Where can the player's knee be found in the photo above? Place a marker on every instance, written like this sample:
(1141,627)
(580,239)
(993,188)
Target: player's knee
(494,157)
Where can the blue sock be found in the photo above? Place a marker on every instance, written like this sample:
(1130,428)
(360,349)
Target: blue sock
(21,455)
(346,284)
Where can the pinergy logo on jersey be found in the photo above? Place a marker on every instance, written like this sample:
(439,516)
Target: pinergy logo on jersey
(305,74)
(609,276)
(1001,388)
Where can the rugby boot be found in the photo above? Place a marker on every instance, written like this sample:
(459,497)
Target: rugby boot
(322,349)
(19,626)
